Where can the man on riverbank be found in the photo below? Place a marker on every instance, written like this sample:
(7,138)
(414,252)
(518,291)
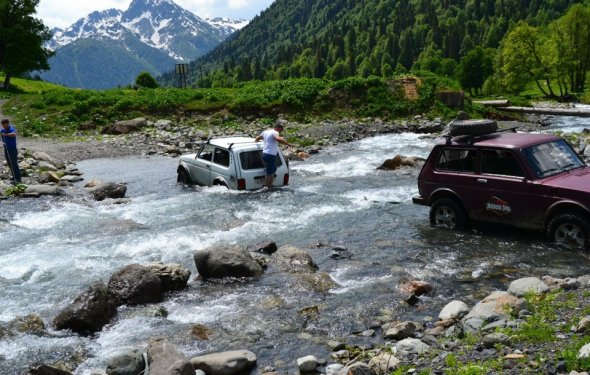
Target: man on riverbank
(271,138)
(8,133)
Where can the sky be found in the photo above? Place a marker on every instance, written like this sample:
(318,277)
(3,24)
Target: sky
(63,13)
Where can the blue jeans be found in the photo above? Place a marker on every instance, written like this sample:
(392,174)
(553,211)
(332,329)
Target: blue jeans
(270,163)
(11,155)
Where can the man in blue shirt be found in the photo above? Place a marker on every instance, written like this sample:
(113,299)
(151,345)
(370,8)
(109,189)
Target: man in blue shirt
(10,151)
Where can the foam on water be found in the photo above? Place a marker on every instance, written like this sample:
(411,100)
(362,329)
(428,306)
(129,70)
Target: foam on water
(347,284)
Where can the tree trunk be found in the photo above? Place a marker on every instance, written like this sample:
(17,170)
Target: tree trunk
(7,81)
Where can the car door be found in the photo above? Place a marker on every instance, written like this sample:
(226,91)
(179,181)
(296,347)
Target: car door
(455,170)
(502,189)
(201,172)
(220,167)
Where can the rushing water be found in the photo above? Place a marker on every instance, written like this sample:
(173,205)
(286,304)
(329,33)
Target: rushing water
(51,250)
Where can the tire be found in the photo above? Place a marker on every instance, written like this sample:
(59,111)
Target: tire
(447,213)
(182,177)
(472,127)
(569,230)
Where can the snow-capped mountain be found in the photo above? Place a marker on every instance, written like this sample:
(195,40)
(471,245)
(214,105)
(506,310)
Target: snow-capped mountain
(151,35)
(157,23)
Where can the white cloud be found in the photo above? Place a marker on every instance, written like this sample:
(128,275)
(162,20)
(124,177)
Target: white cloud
(237,4)
(63,13)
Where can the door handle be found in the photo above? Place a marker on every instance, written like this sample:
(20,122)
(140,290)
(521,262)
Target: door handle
(482,181)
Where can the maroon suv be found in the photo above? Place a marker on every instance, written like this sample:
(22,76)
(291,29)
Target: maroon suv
(531,181)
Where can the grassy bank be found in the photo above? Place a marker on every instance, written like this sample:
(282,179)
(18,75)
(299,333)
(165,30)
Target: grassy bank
(44,109)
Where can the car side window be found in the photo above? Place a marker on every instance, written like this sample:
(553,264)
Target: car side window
(457,160)
(206,152)
(501,162)
(221,157)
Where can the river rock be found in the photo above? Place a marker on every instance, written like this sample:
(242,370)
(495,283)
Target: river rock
(291,259)
(495,306)
(384,363)
(41,369)
(225,363)
(265,248)
(89,312)
(134,285)
(416,287)
(43,190)
(527,285)
(307,364)
(31,324)
(173,276)
(131,363)
(165,359)
(226,261)
(398,161)
(401,331)
(584,352)
(125,127)
(101,191)
(47,177)
(454,310)
(411,346)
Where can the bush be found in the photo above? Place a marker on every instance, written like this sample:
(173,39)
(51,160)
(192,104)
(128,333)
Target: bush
(144,79)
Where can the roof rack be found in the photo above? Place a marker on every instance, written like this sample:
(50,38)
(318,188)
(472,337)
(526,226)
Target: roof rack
(471,138)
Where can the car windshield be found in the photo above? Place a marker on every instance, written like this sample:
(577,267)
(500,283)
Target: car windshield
(552,158)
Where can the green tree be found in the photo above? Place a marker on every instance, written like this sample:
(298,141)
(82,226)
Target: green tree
(475,68)
(523,58)
(570,39)
(145,79)
(22,37)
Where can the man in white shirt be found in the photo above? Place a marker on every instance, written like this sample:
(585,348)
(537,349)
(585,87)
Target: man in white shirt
(271,138)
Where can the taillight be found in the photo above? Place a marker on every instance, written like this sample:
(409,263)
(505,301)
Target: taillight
(241,184)
(286,179)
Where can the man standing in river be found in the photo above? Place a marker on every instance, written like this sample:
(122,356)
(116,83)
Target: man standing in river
(10,151)
(271,138)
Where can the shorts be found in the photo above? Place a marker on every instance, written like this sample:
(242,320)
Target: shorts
(270,163)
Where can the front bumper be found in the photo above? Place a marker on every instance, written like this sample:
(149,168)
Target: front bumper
(419,200)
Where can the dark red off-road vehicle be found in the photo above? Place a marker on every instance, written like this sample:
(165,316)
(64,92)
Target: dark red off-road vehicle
(531,181)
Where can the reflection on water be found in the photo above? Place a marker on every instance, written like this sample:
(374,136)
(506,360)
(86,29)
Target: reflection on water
(53,249)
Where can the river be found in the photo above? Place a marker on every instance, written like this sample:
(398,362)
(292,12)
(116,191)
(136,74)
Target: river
(358,224)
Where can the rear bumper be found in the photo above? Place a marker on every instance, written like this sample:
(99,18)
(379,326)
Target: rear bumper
(419,200)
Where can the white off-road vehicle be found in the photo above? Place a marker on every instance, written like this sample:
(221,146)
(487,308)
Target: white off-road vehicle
(234,162)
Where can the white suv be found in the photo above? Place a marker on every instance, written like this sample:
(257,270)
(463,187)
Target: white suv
(234,162)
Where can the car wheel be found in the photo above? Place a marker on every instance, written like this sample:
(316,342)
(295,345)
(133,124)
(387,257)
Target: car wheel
(447,213)
(182,177)
(569,230)
(472,127)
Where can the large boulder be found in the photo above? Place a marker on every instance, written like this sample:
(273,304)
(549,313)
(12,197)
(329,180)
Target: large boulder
(134,285)
(291,259)
(173,276)
(165,359)
(89,312)
(225,363)
(105,190)
(125,127)
(226,261)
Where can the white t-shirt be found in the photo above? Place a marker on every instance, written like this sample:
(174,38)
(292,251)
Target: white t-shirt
(271,145)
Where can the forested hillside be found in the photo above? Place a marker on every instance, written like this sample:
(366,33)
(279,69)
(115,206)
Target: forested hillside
(339,38)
